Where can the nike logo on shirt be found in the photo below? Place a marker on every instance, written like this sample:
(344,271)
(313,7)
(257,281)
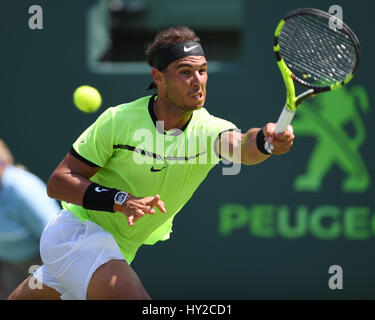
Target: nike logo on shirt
(156,170)
(190,48)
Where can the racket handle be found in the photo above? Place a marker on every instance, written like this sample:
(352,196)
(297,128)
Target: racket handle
(282,124)
(284,121)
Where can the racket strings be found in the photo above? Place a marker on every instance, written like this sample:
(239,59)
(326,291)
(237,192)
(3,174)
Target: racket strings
(328,67)
(314,50)
(316,53)
(330,37)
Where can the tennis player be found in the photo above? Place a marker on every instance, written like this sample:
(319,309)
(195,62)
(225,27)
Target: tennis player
(132,171)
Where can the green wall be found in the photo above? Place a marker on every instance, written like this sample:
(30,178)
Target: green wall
(265,233)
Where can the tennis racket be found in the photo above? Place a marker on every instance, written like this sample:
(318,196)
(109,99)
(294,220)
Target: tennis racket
(311,52)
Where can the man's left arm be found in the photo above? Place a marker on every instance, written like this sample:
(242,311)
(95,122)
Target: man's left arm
(247,148)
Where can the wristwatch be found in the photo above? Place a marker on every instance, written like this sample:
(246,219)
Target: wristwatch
(120,199)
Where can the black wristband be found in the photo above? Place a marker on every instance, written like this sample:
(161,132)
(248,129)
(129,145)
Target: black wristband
(260,142)
(99,198)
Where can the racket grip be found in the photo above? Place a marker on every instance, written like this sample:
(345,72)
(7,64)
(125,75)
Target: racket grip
(285,119)
(282,124)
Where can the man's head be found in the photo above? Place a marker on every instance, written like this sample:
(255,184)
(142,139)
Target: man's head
(179,67)
(6,157)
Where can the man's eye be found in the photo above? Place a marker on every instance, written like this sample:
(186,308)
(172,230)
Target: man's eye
(185,72)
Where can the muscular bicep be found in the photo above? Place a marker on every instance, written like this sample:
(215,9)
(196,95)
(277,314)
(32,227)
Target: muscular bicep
(70,179)
(72,165)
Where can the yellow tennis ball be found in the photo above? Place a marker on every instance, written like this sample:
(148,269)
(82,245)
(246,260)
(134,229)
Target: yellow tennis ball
(87,99)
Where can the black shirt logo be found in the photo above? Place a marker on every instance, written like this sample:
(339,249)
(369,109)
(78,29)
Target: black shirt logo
(157,170)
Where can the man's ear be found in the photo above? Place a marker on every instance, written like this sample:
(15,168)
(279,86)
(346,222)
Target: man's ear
(158,76)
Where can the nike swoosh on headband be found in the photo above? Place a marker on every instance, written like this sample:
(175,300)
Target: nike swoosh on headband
(189,49)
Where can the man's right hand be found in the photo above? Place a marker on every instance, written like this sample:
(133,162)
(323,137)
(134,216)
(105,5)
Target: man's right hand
(135,208)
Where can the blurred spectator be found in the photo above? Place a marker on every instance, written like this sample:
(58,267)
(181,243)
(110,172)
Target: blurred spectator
(25,209)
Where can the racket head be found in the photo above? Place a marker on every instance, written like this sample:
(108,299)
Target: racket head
(312,53)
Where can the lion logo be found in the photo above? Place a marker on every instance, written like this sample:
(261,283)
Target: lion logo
(325,120)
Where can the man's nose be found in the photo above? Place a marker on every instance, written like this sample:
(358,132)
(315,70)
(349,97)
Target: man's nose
(198,78)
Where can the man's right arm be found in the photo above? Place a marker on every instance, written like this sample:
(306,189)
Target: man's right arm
(70,180)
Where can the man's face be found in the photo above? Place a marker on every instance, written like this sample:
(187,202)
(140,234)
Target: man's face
(185,82)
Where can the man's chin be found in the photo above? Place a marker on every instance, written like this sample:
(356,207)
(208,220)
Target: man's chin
(198,104)
(193,104)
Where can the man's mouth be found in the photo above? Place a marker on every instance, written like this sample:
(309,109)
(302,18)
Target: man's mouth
(197,95)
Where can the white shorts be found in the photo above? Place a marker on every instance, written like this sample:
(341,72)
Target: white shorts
(71,251)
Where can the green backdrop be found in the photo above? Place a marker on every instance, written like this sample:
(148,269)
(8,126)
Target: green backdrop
(271,232)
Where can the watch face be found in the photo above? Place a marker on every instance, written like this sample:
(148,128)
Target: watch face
(120,197)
